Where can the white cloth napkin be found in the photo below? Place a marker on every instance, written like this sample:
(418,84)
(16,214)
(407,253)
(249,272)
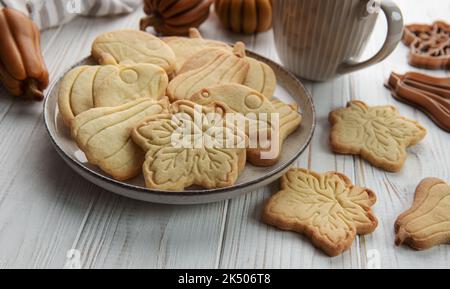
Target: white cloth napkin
(50,13)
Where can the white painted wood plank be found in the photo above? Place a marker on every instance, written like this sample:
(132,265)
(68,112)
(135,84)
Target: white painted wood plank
(43,214)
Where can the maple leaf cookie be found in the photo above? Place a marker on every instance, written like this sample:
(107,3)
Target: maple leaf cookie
(327,208)
(427,223)
(379,134)
(186,147)
(258,112)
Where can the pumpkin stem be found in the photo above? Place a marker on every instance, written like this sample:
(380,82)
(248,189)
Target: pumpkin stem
(239,49)
(147,21)
(194,33)
(401,237)
(32,91)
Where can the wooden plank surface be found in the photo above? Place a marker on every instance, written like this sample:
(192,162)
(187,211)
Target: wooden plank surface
(47,210)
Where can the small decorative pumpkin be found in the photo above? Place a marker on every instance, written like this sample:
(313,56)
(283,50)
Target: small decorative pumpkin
(175,17)
(245,16)
(22,67)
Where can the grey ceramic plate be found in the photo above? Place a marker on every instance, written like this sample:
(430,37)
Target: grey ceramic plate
(289,90)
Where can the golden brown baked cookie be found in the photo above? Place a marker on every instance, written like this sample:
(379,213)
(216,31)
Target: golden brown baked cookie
(86,87)
(260,76)
(103,134)
(186,47)
(133,45)
(327,208)
(225,68)
(175,161)
(379,134)
(258,113)
(427,223)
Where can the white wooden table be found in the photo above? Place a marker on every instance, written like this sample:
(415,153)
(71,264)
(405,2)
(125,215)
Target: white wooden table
(46,209)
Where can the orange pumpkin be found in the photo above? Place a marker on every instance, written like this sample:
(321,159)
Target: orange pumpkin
(245,16)
(175,17)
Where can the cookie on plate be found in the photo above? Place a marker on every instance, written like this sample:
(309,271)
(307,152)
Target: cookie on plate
(177,158)
(260,115)
(260,76)
(86,87)
(427,223)
(327,208)
(186,47)
(226,67)
(378,134)
(133,46)
(104,135)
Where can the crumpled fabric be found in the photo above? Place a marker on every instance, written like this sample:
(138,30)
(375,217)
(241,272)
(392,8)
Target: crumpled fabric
(51,13)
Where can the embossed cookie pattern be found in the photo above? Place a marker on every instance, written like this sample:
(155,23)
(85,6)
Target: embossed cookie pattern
(103,134)
(135,46)
(86,87)
(172,166)
(327,208)
(379,134)
(427,223)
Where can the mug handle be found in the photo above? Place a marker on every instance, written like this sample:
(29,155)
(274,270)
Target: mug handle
(394,35)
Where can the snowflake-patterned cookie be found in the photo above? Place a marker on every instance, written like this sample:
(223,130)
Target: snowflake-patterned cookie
(327,208)
(379,134)
(178,158)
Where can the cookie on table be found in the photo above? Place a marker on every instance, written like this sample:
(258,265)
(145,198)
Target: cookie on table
(378,134)
(176,160)
(226,67)
(186,47)
(427,223)
(86,87)
(327,208)
(133,46)
(104,135)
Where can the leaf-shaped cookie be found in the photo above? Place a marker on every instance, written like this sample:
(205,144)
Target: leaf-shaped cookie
(260,76)
(175,161)
(327,208)
(427,223)
(133,45)
(86,87)
(186,47)
(103,134)
(379,134)
(225,68)
(257,112)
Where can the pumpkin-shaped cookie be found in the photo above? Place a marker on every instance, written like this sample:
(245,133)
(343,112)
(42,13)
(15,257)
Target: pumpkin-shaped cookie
(260,76)
(133,45)
(245,16)
(174,17)
(226,67)
(186,47)
(104,135)
(86,87)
